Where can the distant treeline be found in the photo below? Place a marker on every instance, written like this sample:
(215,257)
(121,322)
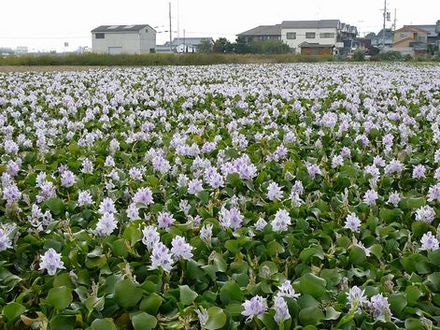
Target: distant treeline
(91,59)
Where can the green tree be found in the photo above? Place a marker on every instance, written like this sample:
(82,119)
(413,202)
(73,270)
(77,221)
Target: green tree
(222,45)
(268,47)
(241,46)
(205,46)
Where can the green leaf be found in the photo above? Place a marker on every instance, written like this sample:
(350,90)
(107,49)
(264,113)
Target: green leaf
(412,203)
(60,297)
(55,205)
(143,321)
(187,296)
(357,256)
(104,324)
(313,285)
(13,310)
(397,302)
(311,315)
(234,179)
(434,281)
(127,293)
(151,304)
(331,314)
(414,324)
(63,322)
(216,318)
(310,252)
(230,292)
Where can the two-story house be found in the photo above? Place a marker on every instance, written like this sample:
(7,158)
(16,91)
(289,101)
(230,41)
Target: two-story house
(308,37)
(410,37)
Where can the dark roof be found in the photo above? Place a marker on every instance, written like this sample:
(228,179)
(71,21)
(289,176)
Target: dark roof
(430,28)
(121,28)
(324,23)
(306,44)
(263,30)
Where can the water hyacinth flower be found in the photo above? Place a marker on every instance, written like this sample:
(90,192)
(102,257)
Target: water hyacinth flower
(394,199)
(356,298)
(425,214)
(84,198)
(203,317)
(67,179)
(282,221)
(195,186)
(370,197)
(281,309)
(150,237)
(132,212)
(106,224)
(286,290)
(231,218)
(313,170)
(260,224)
(419,172)
(353,223)
(429,242)
(274,192)
(107,206)
(380,306)
(51,261)
(253,307)
(434,193)
(206,233)
(181,249)
(5,241)
(165,220)
(143,196)
(161,257)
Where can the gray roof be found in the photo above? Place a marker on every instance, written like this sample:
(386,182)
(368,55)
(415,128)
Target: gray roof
(263,30)
(121,28)
(191,41)
(324,23)
(430,28)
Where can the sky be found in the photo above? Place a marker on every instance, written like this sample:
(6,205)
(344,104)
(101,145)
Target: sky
(48,24)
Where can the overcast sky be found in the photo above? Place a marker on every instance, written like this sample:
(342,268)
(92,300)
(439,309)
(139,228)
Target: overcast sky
(47,24)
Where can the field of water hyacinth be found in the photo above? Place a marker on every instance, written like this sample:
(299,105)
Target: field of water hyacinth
(302,196)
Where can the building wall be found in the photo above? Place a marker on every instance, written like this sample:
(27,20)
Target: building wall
(148,39)
(316,51)
(301,37)
(130,42)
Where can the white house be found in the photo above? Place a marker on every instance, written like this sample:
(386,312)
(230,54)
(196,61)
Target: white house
(124,39)
(183,45)
(322,32)
(329,33)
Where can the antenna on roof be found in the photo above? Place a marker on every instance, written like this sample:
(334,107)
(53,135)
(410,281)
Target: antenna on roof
(395,20)
(384,23)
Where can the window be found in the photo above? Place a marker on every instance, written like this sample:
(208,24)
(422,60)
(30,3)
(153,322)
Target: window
(99,35)
(291,35)
(327,35)
(146,30)
(310,35)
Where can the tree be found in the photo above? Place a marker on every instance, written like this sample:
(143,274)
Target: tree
(269,47)
(241,46)
(222,45)
(205,46)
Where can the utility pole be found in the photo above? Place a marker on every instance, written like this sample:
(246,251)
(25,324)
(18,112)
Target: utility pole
(384,23)
(395,20)
(171,31)
(184,41)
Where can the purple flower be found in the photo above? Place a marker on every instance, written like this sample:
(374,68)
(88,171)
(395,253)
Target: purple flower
(5,241)
(181,249)
(380,307)
(51,261)
(419,172)
(353,223)
(429,242)
(254,307)
(195,186)
(281,309)
(370,197)
(161,257)
(231,218)
(434,193)
(67,179)
(150,237)
(84,198)
(106,224)
(165,220)
(356,298)
(282,221)
(143,196)
(107,206)
(274,192)
(425,214)
(394,199)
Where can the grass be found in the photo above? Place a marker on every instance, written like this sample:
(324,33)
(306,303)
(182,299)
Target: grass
(155,59)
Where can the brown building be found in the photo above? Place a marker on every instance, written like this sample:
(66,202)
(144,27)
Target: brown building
(411,37)
(308,48)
